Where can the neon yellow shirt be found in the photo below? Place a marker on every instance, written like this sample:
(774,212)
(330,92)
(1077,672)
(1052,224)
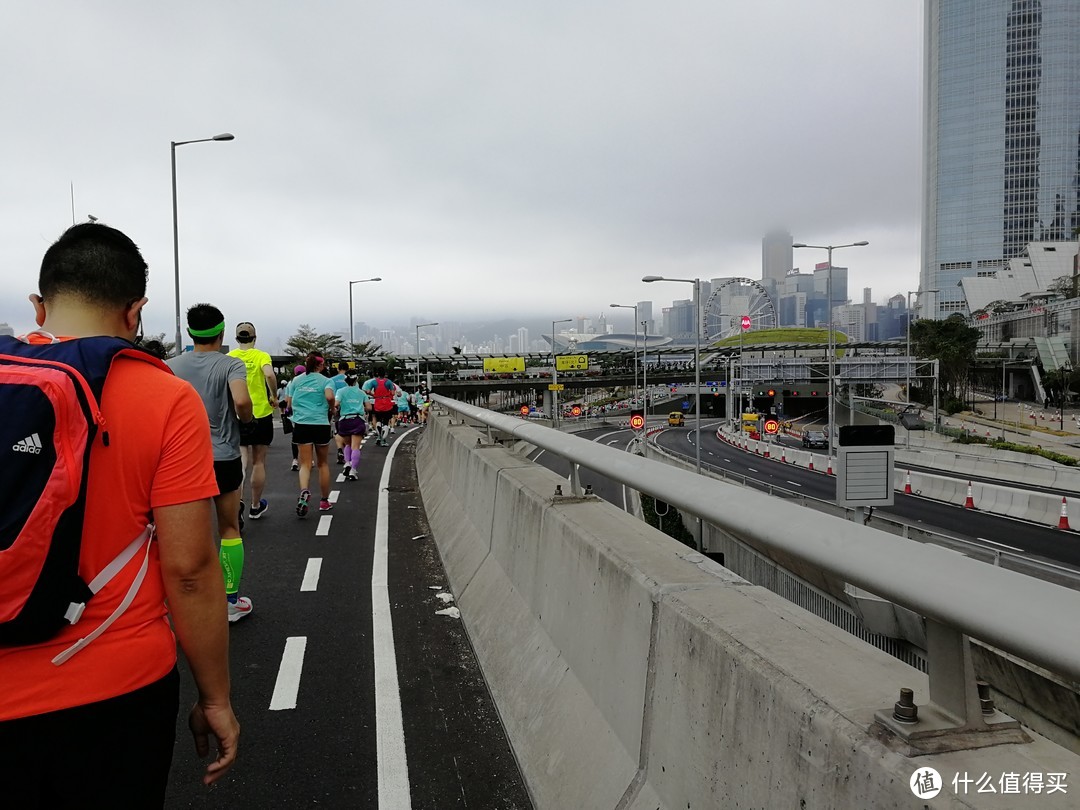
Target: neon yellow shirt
(261,398)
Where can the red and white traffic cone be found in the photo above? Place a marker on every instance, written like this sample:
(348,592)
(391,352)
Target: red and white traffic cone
(811,467)
(1063,521)
(969,502)
(783,455)
(766,451)
(829,471)
(907,483)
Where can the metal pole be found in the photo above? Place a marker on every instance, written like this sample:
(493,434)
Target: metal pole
(637,389)
(418,357)
(352,336)
(554,381)
(645,384)
(1004,399)
(832,353)
(697,384)
(176,248)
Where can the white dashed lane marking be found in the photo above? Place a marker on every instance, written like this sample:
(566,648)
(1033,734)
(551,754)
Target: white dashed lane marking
(311,574)
(288,679)
(323,528)
(334,493)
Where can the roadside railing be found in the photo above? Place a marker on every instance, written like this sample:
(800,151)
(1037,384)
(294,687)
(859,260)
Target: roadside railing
(959,597)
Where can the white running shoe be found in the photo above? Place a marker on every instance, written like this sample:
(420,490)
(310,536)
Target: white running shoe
(239,609)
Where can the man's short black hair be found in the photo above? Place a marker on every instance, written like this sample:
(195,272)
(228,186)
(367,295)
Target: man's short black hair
(202,317)
(96,264)
(343,367)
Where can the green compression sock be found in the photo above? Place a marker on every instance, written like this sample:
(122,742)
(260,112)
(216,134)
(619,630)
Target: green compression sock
(232,563)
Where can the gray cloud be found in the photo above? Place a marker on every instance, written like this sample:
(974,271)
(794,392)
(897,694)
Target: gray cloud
(532,158)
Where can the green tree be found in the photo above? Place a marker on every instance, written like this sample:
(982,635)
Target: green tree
(158,346)
(952,343)
(307,340)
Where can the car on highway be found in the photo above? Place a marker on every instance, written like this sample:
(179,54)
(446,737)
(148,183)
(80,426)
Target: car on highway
(676,419)
(815,439)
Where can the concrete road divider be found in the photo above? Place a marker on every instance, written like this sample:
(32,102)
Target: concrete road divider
(631,672)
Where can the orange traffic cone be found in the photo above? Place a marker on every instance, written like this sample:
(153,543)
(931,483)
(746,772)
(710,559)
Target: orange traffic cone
(829,471)
(766,451)
(783,455)
(969,502)
(907,483)
(811,467)
(1063,521)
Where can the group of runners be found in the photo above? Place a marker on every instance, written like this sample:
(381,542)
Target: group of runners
(321,408)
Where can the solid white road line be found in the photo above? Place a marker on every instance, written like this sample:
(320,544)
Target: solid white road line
(393,767)
(311,574)
(795,484)
(323,529)
(334,493)
(288,677)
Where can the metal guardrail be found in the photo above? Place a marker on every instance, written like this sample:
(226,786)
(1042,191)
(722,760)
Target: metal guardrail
(958,596)
(1003,557)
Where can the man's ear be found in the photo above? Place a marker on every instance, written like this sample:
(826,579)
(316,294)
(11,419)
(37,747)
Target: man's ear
(132,314)
(39,308)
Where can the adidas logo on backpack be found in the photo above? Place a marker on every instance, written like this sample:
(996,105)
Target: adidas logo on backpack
(31,444)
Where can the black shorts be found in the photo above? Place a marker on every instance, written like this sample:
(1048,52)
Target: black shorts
(257,432)
(383,417)
(69,758)
(310,434)
(229,475)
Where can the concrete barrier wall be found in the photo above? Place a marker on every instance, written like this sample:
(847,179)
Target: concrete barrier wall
(633,673)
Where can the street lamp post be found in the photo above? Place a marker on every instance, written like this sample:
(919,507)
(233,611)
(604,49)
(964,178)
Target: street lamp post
(1063,374)
(697,367)
(224,136)
(637,391)
(645,383)
(352,336)
(419,326)
(907,391)
(555,374)
(829,321)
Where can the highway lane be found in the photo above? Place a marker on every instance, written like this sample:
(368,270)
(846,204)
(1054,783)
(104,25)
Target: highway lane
(793,442)
(994,532)
(309,723)
(968,524)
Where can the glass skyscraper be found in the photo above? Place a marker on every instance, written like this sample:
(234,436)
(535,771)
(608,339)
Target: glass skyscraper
(1001,139)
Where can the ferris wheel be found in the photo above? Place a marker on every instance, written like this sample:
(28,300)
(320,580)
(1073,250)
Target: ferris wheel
(733,300)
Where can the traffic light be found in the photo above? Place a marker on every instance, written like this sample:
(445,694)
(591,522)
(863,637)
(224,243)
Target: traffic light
(772,392)
(637,419)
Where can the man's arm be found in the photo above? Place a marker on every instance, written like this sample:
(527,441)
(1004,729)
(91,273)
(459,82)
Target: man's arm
(271,380)
(195,592)
(241,398)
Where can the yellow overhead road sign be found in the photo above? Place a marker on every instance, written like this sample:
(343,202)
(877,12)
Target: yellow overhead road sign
(572,362)
(503,365)
(556,386)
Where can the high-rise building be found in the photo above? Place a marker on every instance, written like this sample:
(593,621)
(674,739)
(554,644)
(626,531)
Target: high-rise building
(522,340)
(777,257)
(1002,137)
(644,313)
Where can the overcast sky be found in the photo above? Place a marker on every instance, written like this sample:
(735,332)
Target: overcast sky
(481,157)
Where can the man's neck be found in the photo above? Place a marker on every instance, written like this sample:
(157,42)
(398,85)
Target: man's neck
(89,322)
(206,347)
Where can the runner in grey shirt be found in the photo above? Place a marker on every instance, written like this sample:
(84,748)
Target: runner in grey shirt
(222,383)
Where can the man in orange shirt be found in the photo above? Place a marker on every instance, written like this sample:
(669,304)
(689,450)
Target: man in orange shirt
(99,728)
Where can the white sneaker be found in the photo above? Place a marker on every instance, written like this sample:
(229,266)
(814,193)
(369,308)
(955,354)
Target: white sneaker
(239,609)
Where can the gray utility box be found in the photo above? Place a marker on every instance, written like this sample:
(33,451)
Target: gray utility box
(864,465)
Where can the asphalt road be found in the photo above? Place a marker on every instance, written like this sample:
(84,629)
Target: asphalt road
(308,730)
(992,531)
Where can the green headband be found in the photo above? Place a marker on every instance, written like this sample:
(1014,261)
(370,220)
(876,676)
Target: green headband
(213,331)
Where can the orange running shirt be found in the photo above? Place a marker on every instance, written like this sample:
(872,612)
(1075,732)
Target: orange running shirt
(159,454)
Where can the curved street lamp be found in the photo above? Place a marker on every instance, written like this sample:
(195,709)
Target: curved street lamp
(224,136)
(352,327)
